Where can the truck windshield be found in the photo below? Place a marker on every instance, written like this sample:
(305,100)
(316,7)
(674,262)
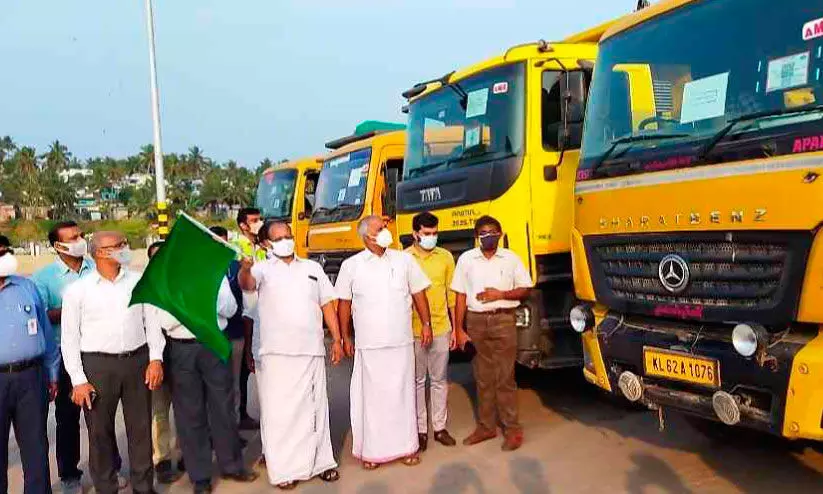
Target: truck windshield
(669,92)
(275,193)
(342,187)
(474,120)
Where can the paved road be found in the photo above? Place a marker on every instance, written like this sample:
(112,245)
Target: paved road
(577,440)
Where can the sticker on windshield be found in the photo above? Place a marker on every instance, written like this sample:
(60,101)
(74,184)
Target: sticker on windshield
(813,29)
(355,176)
(500,88)
(341,195)
(788,72)
(704,98)
(431,123)
(476,102)
(338,161)
(472,137)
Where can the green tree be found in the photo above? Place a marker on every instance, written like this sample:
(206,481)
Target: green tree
(57,158)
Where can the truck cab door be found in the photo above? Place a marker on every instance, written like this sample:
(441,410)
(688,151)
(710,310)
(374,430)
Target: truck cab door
(385,204)
(304,205)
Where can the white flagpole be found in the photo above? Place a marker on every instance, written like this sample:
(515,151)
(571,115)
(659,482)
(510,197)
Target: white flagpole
(159,174)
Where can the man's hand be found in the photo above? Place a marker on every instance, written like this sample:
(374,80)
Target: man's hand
(490,295)
(336,352)
(348,347)
(426,336)
(154,375)
(459,338)
(81,395)
(53,387)
(55,315)
(249,361)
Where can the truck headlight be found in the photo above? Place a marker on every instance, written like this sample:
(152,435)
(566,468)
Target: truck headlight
(581,318)
(747,338)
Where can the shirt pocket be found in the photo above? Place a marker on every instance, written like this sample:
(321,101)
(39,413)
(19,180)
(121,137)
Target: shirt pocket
(312,289)
(398,281)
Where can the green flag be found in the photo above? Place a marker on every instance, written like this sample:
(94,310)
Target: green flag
(183,279)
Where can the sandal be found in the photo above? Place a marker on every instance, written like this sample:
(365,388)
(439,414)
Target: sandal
(411,461)
(287,486)
(367,465)
(330,475)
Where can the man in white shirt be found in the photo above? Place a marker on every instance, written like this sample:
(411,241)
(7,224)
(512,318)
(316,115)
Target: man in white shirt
(202,394)
(112,353)
(377,287)
(294,297)
(490,282)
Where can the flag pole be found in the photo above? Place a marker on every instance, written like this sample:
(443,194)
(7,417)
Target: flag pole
(159,174)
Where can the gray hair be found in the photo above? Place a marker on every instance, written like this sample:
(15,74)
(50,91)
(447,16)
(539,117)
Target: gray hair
(94,241)
(363,225)
(272,224)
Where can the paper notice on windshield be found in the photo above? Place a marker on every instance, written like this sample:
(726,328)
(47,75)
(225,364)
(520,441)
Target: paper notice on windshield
(334,162)
(472,137)
(355,176)
(341,195)
(476,102)
(788,72)
(704,98)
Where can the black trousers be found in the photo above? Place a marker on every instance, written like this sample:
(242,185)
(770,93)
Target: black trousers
(67,447)
(244,386)
(24,405)
(119,379)
(203,400)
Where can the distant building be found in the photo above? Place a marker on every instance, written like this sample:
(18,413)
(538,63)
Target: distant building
(65,175)
(7,212)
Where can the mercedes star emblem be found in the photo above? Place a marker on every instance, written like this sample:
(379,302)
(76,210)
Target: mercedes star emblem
(673,272)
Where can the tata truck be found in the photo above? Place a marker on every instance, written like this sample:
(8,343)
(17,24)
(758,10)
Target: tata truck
(502,138)
(286,192)
(697,243)
(358,178)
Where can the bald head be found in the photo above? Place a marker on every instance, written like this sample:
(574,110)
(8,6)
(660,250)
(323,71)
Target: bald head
(104,242)
(279,230)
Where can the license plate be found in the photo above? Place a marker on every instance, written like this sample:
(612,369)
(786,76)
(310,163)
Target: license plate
(681,367)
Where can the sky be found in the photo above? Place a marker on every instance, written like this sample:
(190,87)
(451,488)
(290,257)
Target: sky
(246,79)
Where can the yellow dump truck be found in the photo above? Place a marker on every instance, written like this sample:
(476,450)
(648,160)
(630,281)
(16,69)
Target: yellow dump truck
(286,192)
(358,179)
(697,240)
(502,137)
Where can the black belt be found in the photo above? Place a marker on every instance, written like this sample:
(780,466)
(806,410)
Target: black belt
(182,341)
(495,311)
(19,366)
(141,349)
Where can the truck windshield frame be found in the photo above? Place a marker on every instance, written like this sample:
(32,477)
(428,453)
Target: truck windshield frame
(475,120)
(693,88)
(275,194)
(341,188)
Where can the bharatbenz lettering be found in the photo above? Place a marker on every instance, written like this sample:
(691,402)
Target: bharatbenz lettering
(698,211)
(501,138)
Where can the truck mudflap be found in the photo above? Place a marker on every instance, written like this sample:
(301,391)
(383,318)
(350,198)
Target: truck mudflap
(695,369)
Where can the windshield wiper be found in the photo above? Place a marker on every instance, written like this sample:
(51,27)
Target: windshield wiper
(751,117)
(628,139)
(464,96)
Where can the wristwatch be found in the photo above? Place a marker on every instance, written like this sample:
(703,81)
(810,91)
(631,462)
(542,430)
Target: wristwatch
(427,323)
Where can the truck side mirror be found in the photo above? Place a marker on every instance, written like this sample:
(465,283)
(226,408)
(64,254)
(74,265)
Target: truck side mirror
(573,108)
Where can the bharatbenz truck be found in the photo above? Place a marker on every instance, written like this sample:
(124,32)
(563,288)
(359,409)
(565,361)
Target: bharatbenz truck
(502,137)
(359,178)
(286,192)
(697,239)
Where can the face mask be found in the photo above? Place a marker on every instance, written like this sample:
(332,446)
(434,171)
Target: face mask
(489,242)
(283,248)
(78,248)
(8,265)
(255,227)
(122,256)
(384,238)
(428,242)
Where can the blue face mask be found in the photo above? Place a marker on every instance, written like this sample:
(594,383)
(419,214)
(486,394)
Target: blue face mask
(489,241)
(428,242)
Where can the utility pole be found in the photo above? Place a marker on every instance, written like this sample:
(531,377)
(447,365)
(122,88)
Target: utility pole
(159,175)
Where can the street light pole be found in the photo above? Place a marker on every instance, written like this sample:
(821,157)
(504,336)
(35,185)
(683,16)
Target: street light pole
(159,175)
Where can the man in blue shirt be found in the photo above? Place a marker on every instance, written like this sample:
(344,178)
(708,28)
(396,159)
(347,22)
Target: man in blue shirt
(29,357)
(71,264)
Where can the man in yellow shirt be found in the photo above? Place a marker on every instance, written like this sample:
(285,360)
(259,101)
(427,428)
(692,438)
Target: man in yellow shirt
(250,221)
(433,362)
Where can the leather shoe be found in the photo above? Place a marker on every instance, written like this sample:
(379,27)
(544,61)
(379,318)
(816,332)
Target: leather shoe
(478,436)
(423,439)
(202,487)
(165,473)
(444,438)
(244,476)
(513,440)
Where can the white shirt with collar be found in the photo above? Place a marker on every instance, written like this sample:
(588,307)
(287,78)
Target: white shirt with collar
(226,308)
(474,273)
(289,301)
(380,289)
(97,318)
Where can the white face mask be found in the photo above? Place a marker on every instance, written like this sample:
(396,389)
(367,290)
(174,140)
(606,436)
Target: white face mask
(8,265)
(428,242)
(283,248)
(122,256)
(255,227)
(384,238)
(78,248)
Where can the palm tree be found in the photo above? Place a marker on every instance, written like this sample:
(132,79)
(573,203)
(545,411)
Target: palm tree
(7,148)
(58,156)
(146,158)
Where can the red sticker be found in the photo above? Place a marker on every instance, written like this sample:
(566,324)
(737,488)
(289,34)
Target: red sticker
(500,88)
(813,29)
